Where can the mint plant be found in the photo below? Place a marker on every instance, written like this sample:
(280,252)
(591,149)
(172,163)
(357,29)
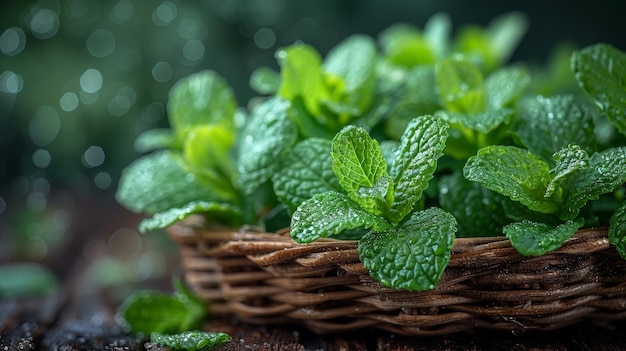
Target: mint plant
(406,246)
(332,147)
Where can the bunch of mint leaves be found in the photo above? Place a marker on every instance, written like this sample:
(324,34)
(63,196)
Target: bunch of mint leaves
(399,142)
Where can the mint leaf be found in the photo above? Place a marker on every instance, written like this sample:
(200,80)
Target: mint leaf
(301,73)
(20,280)
(265,80)
(354,62)
(478,211)
(493,45)
(190,340)
(415,97)
(305,171)
(151,311)
(266,137)
(568,161)
(208,148)
(606,172)
(461,86)
(154,139)
(483,122)
(601,72)
(159,181)
(161,220)
(329,214)
(547,125)
(361,169)
(405,45)
(203,98)
(617,229)
(415,163)
(533,239)
(412,256)
(513,172)
(505,85)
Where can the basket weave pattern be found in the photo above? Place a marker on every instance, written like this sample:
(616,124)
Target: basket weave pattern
(268,278)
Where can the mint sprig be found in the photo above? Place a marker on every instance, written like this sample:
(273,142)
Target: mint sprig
(153,311)
(563,190)
(600,71)
(406,247)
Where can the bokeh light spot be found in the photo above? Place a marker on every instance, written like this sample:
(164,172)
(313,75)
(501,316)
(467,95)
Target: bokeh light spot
(264,38)
(193,50)
(42,186)
(102,180)
(69,102)
(36,202)
(11,83)
(101,43)
(12,41)
(122,12)
(44,126)
(162,72)
(44,24)
(94,156)
(77,8)
(121,103)
(164,14)
(91,81)
(153,113)
(42,158)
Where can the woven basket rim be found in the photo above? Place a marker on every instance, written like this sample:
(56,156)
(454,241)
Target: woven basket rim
(263,277)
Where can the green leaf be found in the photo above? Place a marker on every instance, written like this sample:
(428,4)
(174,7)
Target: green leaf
(606,172)
(405,45)
(190,340)
(437,32)
(361,169)
(479,212)
(617,229)
(328,214)
(493,45)
(305,171)
(534,239)
(159,181)
(416,161)
(266,137)
(354,62)
(506,85)
(154,139)
(265,80)
(301,73)
(601,72)
(208,148)
(483,122)
(412,256)
(568,161)
(461,86)
(203,98)
(151,311)
(547,125)
(513,172)
(20,280)
(415,97)
(161,220)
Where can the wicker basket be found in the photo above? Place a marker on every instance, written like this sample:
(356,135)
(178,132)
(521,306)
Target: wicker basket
(268,278)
